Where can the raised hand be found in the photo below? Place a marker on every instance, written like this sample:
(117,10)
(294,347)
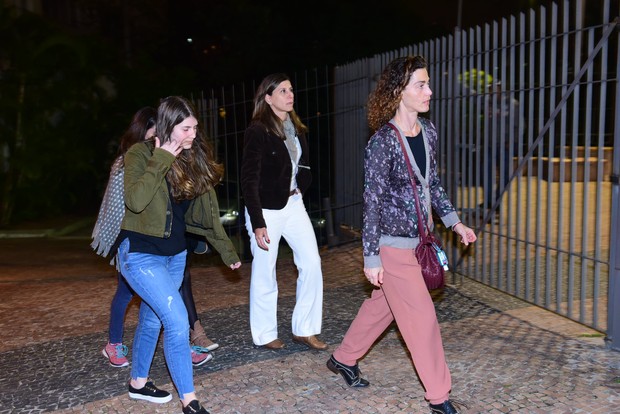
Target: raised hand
(171,146)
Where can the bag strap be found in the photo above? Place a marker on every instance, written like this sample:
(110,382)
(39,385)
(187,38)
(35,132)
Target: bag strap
(422,225)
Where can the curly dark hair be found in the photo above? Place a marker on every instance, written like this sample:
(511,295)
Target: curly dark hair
(384,100)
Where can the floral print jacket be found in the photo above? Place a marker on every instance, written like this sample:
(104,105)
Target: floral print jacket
(390,217)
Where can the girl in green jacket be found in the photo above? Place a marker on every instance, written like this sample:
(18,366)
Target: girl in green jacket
(168,190)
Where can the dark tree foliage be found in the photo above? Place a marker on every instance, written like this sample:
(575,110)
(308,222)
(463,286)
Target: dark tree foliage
(64,101)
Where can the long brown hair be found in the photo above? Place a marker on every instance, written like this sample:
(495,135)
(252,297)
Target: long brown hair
(195,170)
(384,100)
(142,121)
(264,114)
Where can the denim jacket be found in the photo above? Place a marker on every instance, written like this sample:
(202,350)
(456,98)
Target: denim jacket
(389,212)
(148,205)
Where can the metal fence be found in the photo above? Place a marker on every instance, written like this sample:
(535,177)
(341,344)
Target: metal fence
(527,113)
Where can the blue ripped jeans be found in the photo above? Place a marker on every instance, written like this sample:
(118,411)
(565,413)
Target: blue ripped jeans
(156,279)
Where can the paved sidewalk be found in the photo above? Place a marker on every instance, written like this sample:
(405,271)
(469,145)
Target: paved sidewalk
(505,356)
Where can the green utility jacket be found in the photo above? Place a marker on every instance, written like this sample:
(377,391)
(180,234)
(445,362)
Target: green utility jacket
(148,208)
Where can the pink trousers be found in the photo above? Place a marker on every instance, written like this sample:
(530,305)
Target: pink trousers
(404,297)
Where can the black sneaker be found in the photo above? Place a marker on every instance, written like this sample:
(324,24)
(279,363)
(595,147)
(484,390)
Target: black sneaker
(444,408)
(194,407)
(149,393)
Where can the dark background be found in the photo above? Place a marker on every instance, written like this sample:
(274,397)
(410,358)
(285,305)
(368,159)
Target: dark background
(72,72)
(237,40)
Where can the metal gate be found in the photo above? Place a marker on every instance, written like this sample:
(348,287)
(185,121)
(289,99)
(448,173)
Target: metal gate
(527,111)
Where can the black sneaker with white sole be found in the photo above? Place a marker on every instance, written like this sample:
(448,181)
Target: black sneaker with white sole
(149,393)
(194,407)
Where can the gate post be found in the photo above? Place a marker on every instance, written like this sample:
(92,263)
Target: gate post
(613,300)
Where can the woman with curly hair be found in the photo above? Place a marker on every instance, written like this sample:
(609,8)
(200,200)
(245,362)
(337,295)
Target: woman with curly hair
(390,232)
(169,189)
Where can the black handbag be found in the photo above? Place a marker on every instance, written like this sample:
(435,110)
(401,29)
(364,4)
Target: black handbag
(429,252)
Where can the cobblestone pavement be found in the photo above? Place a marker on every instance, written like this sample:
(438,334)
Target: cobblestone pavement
(505,356)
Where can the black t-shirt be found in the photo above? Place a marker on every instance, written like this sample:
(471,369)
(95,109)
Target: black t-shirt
(160,246)
(416,144)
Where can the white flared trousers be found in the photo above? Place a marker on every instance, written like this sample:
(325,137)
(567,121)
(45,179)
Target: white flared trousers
(292,223)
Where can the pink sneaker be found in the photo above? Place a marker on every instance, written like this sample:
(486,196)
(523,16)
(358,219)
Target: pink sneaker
(199,358)
(116,354)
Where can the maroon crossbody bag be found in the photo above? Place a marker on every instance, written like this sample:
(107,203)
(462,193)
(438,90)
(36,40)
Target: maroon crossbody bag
(428,252)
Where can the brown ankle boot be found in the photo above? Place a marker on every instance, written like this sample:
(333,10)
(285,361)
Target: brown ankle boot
(198,338)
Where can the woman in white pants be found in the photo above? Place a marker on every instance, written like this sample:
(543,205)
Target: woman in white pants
(274,175)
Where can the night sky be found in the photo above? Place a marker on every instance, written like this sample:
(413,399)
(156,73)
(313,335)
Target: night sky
(243,39)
